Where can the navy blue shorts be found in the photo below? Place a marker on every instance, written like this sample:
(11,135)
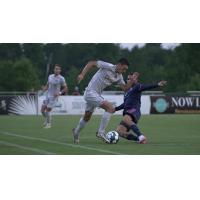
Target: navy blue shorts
(133,113)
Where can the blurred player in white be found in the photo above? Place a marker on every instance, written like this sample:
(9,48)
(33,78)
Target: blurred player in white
(53,87)
(107,75)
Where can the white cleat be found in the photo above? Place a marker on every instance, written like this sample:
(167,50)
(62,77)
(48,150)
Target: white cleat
(102,136)
(48,125)
(76,136)
(142,139)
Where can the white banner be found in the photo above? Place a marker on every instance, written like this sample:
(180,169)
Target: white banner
(75,105)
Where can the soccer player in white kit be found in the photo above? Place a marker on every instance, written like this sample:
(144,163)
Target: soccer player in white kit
(104,77)
(53,87)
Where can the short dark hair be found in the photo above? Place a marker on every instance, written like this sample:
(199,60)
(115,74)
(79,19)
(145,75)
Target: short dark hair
(123,61)
(57,65)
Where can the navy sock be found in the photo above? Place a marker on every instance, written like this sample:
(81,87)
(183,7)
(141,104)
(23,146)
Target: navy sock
(131,137)
(136,130)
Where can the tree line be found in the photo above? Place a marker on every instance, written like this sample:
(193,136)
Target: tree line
(25,66)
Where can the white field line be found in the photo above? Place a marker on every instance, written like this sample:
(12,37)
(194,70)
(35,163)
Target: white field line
(61,143)
(40,151)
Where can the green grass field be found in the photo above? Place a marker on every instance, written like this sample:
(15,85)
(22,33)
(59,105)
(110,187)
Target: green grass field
(167,135)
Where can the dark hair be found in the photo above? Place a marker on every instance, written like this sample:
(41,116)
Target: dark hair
(123,61)
(57,65)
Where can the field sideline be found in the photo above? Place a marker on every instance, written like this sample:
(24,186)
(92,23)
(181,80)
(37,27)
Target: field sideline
(167,135)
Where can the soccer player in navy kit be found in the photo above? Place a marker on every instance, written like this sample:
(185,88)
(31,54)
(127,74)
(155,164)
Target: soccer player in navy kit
(131,107)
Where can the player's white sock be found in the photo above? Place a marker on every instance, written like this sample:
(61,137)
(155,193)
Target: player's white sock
(48,115)
(104,121)
(80,126)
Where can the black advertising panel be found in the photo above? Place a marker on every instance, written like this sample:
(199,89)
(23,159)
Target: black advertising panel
(175,104)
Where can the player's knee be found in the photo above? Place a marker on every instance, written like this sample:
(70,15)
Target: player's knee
(118,129)
(107,107)
(127,120)
(121,132)
(48,109)
(87,117)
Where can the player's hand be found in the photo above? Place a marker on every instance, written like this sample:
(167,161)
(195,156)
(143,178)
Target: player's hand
(57,94)
(80,78)
(162,83)
(112,110)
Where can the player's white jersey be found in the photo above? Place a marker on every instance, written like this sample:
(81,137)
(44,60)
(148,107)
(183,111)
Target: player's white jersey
(105,77)
(55,83)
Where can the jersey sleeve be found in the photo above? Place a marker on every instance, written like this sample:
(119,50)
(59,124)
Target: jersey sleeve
(121,81)
(63,82)
(105,65)
(144,87)
(48,79)
(120,107)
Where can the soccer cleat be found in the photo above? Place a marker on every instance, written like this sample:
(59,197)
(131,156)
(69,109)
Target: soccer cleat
(48,125)
(102,136)
(142,139)
(76,136)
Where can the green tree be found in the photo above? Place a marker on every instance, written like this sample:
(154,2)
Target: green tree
(6,76)
(10,51)
(25,75)
(18,76)
(194,83)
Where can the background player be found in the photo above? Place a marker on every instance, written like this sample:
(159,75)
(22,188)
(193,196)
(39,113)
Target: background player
(53,87)
(104,77)
(131,106)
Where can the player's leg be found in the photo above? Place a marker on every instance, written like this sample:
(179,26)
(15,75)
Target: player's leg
(109,109)
(129,120)
(94,100)
(83,121)
(50,105)
(123,131)
(43,111)
(48,114)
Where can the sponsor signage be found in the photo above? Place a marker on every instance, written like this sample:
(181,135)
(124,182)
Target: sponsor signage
(66,105)
(19,104)
(175,104)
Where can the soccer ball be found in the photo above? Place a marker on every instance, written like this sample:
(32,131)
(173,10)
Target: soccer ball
(113,137)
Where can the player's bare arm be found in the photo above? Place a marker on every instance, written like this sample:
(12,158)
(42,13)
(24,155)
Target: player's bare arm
(162,83)
(63,91)
(45,88)
(90,65)
(127,86)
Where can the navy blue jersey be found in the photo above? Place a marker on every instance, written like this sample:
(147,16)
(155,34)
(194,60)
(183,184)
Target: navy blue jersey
(132,98)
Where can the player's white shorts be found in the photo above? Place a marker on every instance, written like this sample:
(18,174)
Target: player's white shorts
(93,100)
(50,102)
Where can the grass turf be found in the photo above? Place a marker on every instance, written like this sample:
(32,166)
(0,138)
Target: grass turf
(167,135)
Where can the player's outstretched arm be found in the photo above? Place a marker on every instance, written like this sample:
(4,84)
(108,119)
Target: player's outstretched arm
(90,65)
(144,87)
(162,83)
(119,107)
